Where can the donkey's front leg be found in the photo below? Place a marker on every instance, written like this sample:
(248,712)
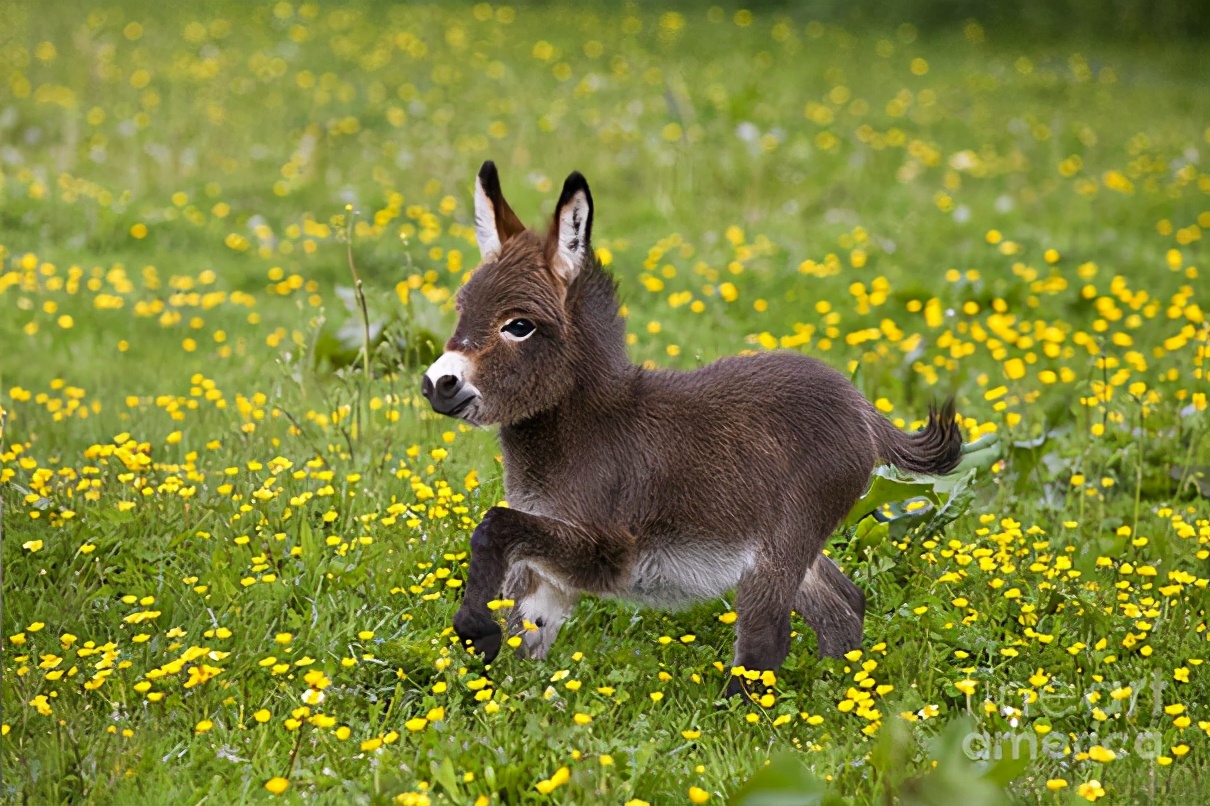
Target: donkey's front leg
(583,558)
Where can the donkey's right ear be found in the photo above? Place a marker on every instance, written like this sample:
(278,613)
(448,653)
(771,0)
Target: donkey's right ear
(568,247)
(495,221)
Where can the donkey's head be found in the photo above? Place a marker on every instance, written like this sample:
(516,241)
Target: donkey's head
(512,352)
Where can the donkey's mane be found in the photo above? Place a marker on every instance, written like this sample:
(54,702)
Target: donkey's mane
(592,304)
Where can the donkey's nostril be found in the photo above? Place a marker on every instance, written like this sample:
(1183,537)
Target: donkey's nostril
(426,387)
(447,385)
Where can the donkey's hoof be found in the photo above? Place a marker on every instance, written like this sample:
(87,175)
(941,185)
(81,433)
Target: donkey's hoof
(480,635)
(748,689)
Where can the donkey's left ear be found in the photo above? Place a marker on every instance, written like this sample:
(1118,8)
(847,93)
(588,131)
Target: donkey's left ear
(495,221)
(568,247)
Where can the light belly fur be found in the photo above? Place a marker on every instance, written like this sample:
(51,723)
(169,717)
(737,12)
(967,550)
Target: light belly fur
(670,576)
(674,577)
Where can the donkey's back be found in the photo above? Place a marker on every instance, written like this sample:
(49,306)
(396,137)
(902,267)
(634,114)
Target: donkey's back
(768,434)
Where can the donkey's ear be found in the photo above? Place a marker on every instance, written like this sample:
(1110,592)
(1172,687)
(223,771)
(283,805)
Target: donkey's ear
(495,221)
(567,248)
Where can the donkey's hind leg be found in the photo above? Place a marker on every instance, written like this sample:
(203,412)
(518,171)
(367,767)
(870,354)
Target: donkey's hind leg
(539,610)
(763,601)
(833,606)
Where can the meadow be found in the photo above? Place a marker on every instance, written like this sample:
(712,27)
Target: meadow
(233,546)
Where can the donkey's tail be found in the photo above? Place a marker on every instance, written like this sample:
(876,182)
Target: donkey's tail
(936,449)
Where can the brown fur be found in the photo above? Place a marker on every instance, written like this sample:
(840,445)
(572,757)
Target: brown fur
(657,486)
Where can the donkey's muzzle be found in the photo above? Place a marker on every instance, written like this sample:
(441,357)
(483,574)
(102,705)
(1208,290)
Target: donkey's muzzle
(448,394)
(445,384)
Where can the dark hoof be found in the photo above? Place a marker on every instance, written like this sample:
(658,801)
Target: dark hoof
(748,689)
(480,633)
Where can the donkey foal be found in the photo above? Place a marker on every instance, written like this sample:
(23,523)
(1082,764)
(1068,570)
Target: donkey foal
(658,487)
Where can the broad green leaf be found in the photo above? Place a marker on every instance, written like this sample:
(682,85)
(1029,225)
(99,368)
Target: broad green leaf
(960,498)
(784,781)
(955,778)
(891,485)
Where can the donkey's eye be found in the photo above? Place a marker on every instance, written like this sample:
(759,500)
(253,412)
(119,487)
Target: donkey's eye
(518,329)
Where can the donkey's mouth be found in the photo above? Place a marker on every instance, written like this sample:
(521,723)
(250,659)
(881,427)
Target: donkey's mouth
(470,414)
(460,408)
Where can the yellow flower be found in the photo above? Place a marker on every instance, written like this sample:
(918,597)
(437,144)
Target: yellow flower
(1101,754)
(262,716)
(317,679)
(203,726)
(548,785)
(967,686)
(1055,784)
(582,719)
(277,785)
(1091,790)
(691,734)
(698,795)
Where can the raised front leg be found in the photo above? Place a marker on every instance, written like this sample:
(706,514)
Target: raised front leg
(578,558)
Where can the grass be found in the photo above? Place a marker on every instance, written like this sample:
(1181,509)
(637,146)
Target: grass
(230,558)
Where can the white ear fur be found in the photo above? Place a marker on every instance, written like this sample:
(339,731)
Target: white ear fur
(575,218)
(486,232)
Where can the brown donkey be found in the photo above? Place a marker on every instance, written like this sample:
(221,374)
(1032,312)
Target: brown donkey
(658,487)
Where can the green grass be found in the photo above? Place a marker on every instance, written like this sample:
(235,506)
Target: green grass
(187,440)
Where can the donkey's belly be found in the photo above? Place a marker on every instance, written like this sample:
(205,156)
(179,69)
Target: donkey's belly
(673,577)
